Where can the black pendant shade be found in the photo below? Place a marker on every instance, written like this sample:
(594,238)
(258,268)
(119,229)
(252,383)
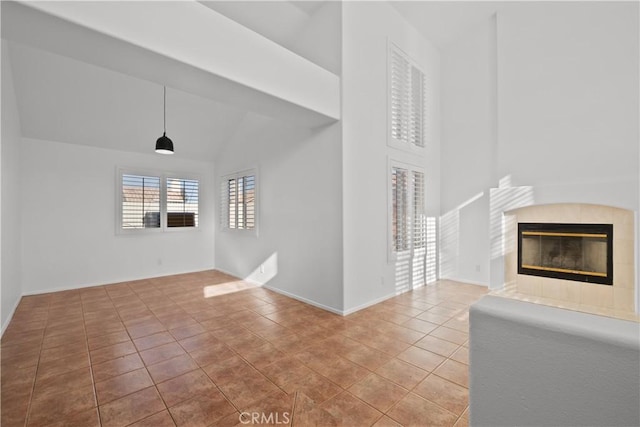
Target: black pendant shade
(164,145)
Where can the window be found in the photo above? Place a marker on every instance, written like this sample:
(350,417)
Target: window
(182,202)
(406,86)
(140,202)
(412,243)
(419,213)
(400,209)
(238,201)
(155,201)
(408,220)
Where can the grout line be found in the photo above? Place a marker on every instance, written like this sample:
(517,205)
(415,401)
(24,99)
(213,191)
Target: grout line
(183,305)
(35,376)
(93,380)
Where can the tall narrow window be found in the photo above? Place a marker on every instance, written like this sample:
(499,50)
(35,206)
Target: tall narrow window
(249,199)
(416,123)
(408,219)
(409,230)
(140,202)
(232,194)
(400,209)
(406,101)
(239,201)
(398,91)
(419,215)
(182,202)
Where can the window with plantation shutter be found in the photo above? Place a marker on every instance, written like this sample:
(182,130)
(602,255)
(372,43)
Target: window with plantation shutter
(182,202)
(232,201)
(156,202)
(411,232)
(419,215)
(400,209)
(140,202)
(407,216)
(406,101)
(238,201)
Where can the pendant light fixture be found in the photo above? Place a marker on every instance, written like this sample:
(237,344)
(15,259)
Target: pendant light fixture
(164,145)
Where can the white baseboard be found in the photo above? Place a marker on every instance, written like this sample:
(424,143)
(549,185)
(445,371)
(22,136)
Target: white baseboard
(467,281)
(114,281)
(13,311)
(62,289)
(304,300)
(235,275)
(381,299)
(370,303)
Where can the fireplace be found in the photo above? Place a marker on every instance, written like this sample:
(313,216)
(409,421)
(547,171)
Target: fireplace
(579,252)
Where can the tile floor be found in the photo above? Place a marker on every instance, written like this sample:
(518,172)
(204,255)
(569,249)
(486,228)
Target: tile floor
(186,350)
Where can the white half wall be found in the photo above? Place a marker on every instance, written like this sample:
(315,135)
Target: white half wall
(368,27)
(534,365)
(68,210)
(11,288)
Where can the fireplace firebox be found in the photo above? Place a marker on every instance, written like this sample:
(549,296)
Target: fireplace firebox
(580,252)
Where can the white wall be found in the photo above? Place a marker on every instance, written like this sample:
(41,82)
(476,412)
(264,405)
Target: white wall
(367,29)
(299,210)
(468,152)
(299,190)
(561,82)
(68,210)
(320,40)
(11,288)
(568,96)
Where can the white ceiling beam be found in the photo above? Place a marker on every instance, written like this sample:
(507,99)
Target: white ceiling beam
(184,45)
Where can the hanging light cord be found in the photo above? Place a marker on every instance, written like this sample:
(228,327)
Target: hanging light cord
(164,109)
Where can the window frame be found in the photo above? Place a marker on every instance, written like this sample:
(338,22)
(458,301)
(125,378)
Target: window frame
(411,169)
(393,142)
(163,176)
(165,216)
(224,203)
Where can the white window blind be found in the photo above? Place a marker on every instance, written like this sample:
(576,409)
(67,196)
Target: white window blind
(407,215)
(419,215)
(239,201)
(140,201)
(232,202)
(157,202)
(406,100)
(182,202)
(400,209)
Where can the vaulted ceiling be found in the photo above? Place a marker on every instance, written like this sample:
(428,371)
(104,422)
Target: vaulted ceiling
(66,100)
(61,98)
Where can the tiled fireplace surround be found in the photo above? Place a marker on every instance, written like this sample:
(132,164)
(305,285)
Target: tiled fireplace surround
(615,301)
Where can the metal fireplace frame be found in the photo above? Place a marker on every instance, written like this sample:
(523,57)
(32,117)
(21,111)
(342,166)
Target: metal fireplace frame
(605,229)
